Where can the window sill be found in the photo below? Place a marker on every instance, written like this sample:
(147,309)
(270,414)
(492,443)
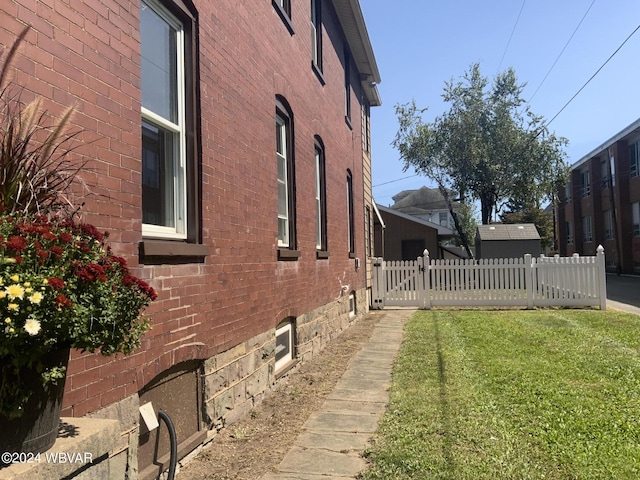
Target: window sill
(286,254)
(284,16)
(286,368)
(155,251)
(318,73)
(352,255)
(322,254)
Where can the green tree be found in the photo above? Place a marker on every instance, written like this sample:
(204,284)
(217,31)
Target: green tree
(488,147)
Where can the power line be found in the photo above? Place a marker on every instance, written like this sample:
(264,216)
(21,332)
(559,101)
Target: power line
(511,36)
(393,181)
(593,76)
(562,51)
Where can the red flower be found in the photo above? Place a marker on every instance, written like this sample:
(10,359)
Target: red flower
(57,251)
(144,287)
(91,272)
(49,236)
(92,231)
(16,243)
(56,283)
(63,301)
(66,237)
(42,253)
(83,247)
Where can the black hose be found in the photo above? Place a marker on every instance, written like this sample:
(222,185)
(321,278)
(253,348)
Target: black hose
(173,440)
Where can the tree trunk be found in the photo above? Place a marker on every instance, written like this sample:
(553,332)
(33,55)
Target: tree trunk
(456,222)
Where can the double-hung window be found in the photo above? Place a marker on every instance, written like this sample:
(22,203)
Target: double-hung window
(569,229)
(285,180)
(164,178)
(635,218)
(350,219)
(587,235)
(347,87)
(604,174)
(608,224)
(283,8)
(634,159)
(320,197)
(316,34)
(586,183)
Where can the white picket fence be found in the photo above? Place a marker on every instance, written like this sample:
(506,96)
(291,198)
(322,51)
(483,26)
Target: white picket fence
(519,282)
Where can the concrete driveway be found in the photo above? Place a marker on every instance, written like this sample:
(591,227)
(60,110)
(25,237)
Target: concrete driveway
(624,290)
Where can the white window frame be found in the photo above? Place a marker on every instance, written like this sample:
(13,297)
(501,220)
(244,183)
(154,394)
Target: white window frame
(319,222)
(179,231)
(352,304)
(281,130)
(284,328)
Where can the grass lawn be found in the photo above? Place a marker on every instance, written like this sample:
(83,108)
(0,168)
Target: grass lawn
(551,394)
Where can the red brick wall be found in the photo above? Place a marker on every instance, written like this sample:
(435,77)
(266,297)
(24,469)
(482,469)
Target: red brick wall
(88,54)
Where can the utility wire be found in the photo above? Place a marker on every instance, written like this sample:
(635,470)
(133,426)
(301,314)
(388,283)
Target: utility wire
(593,76)
(511,36)
(562,51)
(393,181)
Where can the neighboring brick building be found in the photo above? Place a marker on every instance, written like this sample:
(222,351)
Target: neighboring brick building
(600,205)
(247,236)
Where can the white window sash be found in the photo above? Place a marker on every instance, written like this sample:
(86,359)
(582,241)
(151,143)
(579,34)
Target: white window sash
(180,185)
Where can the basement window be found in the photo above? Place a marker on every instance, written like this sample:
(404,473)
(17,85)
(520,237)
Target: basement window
(284,344)
(352,304)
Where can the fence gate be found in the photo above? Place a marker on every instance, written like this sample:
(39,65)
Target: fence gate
(398,283)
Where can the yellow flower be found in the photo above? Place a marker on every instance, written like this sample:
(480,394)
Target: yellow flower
(26,284)
(45,281)
(13,306)
(36,298)
(2,294)
(32,326)
(14,291)
(7,320)
(10,260)
(11,330)
(28,290)
(15,278)
(1,281)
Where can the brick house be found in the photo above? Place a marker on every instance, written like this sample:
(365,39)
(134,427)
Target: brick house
(600,204)
(259,245)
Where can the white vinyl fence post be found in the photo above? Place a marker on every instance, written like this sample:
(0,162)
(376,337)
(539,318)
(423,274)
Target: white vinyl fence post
(602,277)
(426,279)
(528,279)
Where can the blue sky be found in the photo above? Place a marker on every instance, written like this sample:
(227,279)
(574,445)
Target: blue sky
(420,44)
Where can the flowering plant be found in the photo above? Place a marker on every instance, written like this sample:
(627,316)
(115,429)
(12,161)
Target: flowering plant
(61,287)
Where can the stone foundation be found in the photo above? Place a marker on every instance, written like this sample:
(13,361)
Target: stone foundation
(235,381)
